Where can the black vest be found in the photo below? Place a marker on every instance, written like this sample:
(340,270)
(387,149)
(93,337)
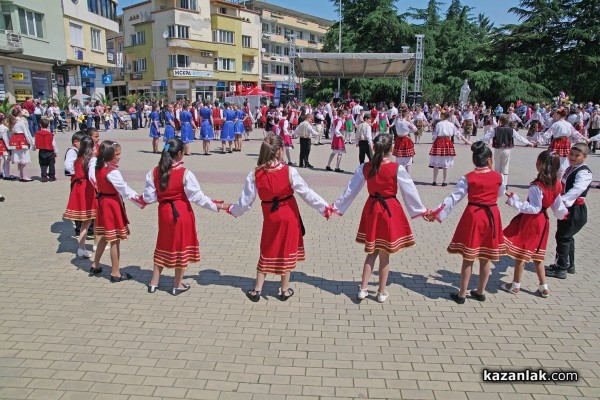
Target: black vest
(503,138)
(570,181)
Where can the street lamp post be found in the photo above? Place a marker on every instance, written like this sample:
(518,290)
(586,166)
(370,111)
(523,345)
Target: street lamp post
(340,43)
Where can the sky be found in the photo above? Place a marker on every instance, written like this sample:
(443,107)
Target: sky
(496,10)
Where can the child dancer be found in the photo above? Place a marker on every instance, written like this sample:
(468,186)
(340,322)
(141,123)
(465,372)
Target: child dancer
(348,128)
(383,228)
(364,139)
(169,124)
(20,142)
(228,131)
(478,234)
(282,243)
(527,234)
(111,218)
(337,142)
(188,126)
(173,186)
(155,128)
(5,148)
(82,203)
(442,152)
(46,145)
(217,119)
(284,132)
(404,148)
(207,132)
(576,182)
(238,127)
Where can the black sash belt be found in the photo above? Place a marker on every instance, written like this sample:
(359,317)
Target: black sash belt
(275,202)
(490,215)
(173,208)
(545,212)
(382,200)
(98,195)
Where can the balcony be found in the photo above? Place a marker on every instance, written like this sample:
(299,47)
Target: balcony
(10,42)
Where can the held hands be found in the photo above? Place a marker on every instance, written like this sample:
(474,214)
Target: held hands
(429,216)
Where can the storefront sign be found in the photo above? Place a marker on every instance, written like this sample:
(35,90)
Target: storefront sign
(26,81)
(162,83)
(192,72)
(181,84)
(135,77)
(221,84)
(120,60)
(18,76)
(205,83)
(40,84)
(78,54)
(106,79)
(88,72)
(87,84)
(23,94)
(110,56)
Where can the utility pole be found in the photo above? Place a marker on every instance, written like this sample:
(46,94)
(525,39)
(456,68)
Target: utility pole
(340,44)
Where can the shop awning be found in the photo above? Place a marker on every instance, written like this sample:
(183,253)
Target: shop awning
(354,65)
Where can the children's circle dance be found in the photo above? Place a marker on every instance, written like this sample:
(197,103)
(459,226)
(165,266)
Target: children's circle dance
(561,184)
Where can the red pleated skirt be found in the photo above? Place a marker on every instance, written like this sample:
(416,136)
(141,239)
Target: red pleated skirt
(3,148)
(281,242)
(403,147)
(560,146)
(82,203)
(526,237)
(111,219)
(177,242)
(380,231)
(474,236)
(442,146)
(19,141)
(337,143)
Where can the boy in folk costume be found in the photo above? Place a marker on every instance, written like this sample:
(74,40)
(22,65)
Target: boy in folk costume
(319,123)
(364,139)
(305,132)
(503,140)
(45,143)
(468,124)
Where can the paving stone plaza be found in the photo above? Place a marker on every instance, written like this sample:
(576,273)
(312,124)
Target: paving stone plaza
(67,335)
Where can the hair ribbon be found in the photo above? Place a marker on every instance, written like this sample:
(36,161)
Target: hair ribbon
(167,147)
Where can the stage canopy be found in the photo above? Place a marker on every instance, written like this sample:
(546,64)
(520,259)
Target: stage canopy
(354,65)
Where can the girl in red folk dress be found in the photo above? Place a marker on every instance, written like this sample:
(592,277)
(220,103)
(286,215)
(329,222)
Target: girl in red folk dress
(173,186)
(111,218)
(479,231)
(442,151)
(338,148)
(383,228)
(82,203)
(281,243)
(526,236)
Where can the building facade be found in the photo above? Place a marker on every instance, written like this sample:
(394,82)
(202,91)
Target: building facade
(191,49)
(86,24)
(114,48)
(27,31)
(278,25)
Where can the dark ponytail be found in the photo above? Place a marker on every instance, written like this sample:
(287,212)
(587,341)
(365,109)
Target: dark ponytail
(268,150)
(106,153)
(86,151)
(548,164)
(173,147)
(481,154)
(383,145)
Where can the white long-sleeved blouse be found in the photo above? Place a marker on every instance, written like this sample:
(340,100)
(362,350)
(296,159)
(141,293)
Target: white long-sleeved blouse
(407,188)
(583,179)
(534,203)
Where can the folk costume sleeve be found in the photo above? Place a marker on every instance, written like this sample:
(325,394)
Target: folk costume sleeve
(116,179)
(460,192)
(559,209)
(244,203)
(582,182)
(195,194)
(410,195)
(307,194)
(149,194)
(354,187)
(531,206)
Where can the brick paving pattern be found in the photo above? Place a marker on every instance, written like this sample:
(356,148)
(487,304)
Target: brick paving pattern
(66,335)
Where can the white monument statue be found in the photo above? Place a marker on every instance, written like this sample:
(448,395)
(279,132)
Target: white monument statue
(464,93)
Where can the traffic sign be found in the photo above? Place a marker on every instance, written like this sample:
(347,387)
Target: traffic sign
(88,72)
(106,79)
(18,76)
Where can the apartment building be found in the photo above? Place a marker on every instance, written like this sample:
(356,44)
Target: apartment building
(191,49)
(86,24)
(278,25)
(115,45)
(27,32)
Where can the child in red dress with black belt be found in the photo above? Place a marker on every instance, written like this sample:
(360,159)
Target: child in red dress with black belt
(111,218)
(174,187)
(383,228)
(82,203)
(526,236)
(479,231)
(281,243)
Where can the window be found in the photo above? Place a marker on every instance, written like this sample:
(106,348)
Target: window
(188,4)
(121,47)
(300,35)
(104,8)
(96,39)
(278,69)
(312,39)
(320,39)
(246,41)
(265,28)
(138,38)
(278,50)
(31,23)
(265,69)
(286,70)
(179,61)
(286,51)
(288,32)
(247,66)
(76,32)
(266,46)
(179,31)
(222,10)
(139,65)
(225,64)
(221,36)
(278,30)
